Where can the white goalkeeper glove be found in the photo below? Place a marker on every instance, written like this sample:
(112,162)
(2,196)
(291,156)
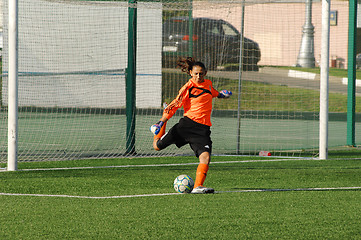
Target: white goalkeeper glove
(224,94)
(156,127)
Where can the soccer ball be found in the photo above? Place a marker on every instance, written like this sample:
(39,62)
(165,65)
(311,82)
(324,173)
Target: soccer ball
(183,184)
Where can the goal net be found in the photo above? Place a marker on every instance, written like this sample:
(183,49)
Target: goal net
(73,57)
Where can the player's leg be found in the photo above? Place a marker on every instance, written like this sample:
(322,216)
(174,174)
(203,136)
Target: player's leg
(200,178)
(163,140)
(201,174)
(202,169)
(198,137)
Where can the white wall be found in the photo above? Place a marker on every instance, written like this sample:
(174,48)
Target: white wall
(89,37)
(359,14)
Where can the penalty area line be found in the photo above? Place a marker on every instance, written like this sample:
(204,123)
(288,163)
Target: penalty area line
(169,194)
(164,164)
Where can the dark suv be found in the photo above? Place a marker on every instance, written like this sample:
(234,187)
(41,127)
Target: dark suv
(215,42)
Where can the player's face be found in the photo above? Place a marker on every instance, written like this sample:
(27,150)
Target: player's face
(198,74)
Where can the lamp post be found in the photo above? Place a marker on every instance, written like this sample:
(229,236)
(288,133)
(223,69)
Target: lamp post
(306,56)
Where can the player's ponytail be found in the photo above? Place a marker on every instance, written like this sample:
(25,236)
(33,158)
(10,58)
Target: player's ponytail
(187,64)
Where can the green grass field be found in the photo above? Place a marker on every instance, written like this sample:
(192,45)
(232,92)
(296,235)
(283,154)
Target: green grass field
(279,210)
(134,199)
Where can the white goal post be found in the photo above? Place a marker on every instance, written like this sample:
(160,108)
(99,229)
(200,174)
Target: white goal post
(64,95)
(324,81)
(13,86)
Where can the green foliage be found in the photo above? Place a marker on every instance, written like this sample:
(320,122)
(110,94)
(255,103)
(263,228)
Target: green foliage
(227,215)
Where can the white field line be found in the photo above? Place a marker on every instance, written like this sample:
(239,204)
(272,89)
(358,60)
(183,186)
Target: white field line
(290,190)
(88,197)
(164,165)
(168,194)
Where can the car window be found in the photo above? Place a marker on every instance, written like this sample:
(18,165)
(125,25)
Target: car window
(228,30)
(211,28)
(176,27)
(214,29)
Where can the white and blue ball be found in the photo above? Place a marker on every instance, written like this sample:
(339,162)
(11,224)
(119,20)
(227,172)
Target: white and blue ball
(183,184)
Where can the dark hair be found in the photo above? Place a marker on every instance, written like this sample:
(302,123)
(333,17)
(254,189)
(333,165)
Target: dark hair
(187,64)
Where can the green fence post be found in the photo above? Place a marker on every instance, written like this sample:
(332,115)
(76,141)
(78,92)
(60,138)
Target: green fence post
(190,29)
(131,77)
(351,72)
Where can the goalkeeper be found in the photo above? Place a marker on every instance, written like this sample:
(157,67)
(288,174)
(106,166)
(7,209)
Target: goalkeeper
(194,128)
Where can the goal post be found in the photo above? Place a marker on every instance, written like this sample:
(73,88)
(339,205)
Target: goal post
(324,80)
(92,77)
(13,87)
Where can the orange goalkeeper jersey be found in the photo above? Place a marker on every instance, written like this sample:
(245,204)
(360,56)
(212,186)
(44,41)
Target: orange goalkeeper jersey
(196,99)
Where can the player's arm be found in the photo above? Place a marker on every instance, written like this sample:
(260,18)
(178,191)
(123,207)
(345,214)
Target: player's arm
(167,114)
(170,110)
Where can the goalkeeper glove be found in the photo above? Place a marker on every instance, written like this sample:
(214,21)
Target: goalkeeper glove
(224,94)
(156,127)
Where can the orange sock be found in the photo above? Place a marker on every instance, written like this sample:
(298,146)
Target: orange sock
(161,132)
(201,174)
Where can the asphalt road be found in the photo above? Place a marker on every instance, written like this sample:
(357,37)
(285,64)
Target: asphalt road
(281,77)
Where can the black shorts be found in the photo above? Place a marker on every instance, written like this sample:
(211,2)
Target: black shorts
(197,135)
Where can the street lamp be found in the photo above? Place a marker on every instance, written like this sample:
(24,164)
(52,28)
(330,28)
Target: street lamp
(306,56)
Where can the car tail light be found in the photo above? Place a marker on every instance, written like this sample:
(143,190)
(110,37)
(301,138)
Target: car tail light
(186,38)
